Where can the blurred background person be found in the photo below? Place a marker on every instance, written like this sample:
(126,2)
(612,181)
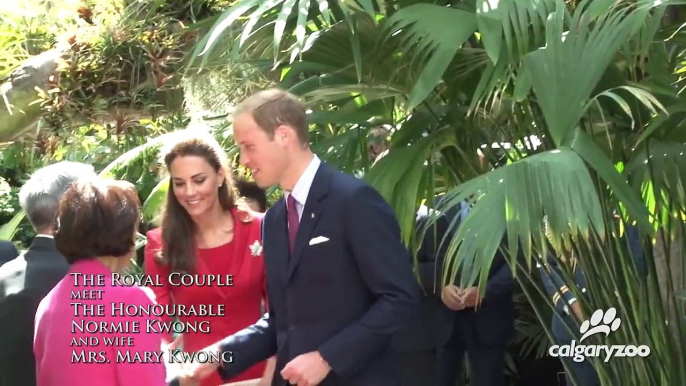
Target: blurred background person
(95,230)
(253,194)
(7,251)
(482,327)
(417,343)
(206,230)
(25,281)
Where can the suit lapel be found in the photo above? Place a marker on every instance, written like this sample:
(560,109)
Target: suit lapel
(277,234)
(312,212)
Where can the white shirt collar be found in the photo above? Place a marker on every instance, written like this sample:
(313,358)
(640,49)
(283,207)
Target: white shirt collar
(302,187)
(46,236)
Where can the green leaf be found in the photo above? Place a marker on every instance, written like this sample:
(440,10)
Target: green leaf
(597,160)
(280,24)
(488,19)
(434,32)
(8,230)
(227,18)
(522,86)
(397,177)
(514,201)
(567,70)
(153,204)
(663,120)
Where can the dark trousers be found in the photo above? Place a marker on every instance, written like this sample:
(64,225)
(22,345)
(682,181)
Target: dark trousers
(417,368)
(486,363)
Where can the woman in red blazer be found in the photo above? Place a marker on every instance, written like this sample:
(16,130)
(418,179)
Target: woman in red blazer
(207,233)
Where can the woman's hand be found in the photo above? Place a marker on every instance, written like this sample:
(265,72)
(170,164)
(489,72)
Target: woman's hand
(166,349)
(268,374)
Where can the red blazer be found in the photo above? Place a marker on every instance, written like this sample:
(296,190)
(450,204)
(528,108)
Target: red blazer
(243,259)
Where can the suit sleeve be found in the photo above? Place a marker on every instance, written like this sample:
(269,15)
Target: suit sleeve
(373,235)
(251,345)
(501,283)
(560,294)
(431,256)
(153,269)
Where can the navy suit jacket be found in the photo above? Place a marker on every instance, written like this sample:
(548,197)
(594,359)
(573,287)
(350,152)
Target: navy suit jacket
(344,297)
(24,282)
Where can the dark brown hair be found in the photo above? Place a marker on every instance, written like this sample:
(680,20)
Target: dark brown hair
(178,228)
(273,107)
(251,190)
(95,218)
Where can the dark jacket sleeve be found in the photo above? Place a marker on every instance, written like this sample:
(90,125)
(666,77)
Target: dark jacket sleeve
(373,235)
(500,284)
(251,345)
(559,292)
(431,254)
(7,252)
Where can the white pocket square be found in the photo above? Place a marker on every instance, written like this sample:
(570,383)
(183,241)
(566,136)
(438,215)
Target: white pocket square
(318,240)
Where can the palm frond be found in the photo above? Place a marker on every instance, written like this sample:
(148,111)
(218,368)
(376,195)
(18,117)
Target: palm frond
(565,72)
(433,32)
(511,202)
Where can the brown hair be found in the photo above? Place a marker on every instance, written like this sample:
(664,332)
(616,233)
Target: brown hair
(97,218)
(178,228)
(273,107)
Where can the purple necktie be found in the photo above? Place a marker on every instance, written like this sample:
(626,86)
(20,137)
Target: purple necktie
(293,221)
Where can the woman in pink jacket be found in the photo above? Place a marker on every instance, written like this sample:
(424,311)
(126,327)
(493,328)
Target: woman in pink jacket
(90,330)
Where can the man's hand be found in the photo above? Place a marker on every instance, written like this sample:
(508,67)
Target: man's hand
(306,370)
(202,370)
(470,297)
(450,295)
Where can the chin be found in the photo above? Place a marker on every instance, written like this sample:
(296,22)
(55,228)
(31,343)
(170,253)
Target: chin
(196,211)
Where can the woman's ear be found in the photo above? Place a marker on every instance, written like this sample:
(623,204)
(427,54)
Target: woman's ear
(221,179)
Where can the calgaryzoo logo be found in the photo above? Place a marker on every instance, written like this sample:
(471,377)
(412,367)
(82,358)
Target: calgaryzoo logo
(600,322)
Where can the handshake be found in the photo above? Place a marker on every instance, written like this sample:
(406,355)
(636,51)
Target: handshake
(458,299)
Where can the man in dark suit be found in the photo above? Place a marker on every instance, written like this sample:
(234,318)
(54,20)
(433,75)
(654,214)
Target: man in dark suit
(26,280)
(339,279)
(418,341)
(7,251)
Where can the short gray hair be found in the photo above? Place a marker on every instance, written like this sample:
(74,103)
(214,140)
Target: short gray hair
(41,194)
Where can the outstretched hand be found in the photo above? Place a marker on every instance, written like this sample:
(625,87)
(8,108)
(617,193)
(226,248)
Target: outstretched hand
(200,370)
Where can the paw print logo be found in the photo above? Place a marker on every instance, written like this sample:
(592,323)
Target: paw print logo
(601,321)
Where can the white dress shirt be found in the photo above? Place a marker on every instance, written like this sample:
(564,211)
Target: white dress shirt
(302,188)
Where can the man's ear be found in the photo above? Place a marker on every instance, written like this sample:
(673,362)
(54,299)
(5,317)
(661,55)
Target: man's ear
(283,133)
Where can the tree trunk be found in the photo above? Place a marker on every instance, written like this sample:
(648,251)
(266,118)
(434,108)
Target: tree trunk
(19,111)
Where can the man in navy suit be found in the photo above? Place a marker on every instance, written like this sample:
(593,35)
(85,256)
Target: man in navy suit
(339,279)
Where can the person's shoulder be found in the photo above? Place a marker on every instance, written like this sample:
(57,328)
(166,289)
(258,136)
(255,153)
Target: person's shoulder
(130,294)
(154,234)
(8,246)
(345,184)
(12,268)
(247,216)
